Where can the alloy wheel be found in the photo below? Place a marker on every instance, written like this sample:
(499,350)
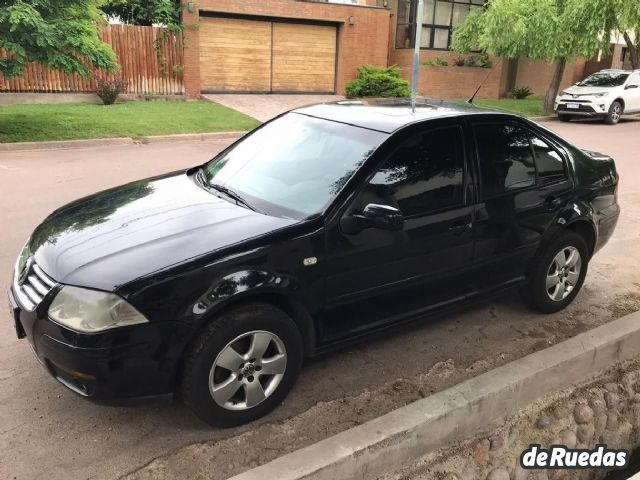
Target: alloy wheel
(615,112)
(563,273)
(248,370)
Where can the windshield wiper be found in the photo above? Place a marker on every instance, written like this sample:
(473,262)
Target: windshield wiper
(231,194)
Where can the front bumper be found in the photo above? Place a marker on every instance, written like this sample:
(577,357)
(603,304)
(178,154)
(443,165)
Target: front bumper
(116,366)
(585,108)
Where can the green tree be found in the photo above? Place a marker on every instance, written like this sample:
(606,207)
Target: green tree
(145,12)
(613,17)
(59,34)
(552,30)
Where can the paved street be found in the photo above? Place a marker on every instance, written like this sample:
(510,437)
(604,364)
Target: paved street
(46,432)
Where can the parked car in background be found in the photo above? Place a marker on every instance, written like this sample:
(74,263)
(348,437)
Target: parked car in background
(321,226)
(607,94)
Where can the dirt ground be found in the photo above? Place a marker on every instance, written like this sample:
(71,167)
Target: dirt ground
(47,432)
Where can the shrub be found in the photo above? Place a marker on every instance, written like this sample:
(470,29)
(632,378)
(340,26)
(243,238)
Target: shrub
(374,81)
(108,90)
(459,61)
(521,92)
(438,62)
(480,61)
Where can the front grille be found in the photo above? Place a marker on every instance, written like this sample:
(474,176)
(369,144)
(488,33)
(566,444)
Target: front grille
(583,109)
(33,288)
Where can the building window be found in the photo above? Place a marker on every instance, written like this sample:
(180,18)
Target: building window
(440,17)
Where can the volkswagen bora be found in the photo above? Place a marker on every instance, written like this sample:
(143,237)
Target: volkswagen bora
(324,225)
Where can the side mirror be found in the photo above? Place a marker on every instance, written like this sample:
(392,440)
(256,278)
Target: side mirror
(383,217)
(631,86)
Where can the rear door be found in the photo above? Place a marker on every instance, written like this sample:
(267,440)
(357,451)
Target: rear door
(524,183)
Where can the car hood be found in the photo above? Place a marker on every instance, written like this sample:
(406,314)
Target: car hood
(113,237)
(577,90)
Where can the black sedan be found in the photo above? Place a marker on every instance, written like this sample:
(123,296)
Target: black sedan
(324,225)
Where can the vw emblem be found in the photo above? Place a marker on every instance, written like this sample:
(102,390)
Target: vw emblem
(22,276)
(575,96)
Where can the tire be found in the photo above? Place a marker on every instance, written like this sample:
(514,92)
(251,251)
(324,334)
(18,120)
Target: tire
(539,293)
(615,112)
(228,340)
(564,118)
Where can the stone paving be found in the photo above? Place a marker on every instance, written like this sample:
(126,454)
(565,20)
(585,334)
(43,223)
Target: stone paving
(266,106)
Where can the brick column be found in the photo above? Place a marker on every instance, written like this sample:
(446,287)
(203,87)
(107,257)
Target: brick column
(191,73)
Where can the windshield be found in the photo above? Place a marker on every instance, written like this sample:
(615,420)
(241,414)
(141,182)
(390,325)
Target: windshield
(609,79)
(293,166)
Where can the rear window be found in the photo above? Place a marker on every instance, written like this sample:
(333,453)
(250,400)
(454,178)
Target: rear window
(506,158)
(549,162)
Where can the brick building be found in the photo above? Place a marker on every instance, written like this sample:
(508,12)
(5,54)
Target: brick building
(286,46)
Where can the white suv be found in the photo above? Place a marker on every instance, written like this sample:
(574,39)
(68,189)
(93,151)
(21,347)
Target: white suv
(606,94)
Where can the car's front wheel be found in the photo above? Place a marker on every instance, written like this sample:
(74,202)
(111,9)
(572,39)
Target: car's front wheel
(614,114)
(558,273)
(242,365)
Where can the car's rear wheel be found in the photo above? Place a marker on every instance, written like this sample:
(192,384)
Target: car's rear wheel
(558,273)
(615,112)
(242,365)
(564,118)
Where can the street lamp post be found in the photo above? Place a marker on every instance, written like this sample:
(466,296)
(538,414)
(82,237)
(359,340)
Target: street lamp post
(416,54)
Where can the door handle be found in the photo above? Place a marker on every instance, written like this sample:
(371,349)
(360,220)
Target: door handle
(551,202)
(459,228)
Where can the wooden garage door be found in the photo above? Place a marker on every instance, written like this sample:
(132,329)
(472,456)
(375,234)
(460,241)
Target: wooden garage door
(235,55)
(240,55)
(304,58)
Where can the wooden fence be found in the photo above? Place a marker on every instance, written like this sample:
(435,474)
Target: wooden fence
(150,61)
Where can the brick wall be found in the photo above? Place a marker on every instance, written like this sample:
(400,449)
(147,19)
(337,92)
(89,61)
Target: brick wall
(365,42)
(449,82)
(537,74)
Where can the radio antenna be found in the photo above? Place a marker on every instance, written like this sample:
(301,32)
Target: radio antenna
(470,101)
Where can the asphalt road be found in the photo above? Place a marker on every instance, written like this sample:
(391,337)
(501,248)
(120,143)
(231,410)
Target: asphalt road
(47,432)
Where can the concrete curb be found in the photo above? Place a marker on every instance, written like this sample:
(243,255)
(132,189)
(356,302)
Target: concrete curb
(546,118)
(402,436)
(105,142)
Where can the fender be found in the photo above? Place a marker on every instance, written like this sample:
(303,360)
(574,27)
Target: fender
(568,218)
(254,284)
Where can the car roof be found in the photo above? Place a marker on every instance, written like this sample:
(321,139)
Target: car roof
(617,70)
(388,115)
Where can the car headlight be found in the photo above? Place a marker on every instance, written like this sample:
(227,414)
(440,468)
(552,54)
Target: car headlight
(90,311)
(601,94)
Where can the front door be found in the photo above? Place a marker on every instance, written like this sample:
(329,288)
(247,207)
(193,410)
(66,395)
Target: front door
(523,185)
(376,277)
(632,93)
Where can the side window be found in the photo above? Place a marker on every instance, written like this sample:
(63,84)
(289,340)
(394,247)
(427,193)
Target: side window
(424,174)
(634,80)
(506,158)
(549,162)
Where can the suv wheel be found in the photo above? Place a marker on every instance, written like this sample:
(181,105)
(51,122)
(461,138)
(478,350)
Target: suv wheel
(242,365)
(564,118)
(615,112)
(558,273)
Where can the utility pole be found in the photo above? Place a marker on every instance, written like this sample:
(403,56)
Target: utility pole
(416,54)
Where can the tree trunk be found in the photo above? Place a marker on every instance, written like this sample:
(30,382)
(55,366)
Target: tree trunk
(550,98)
(633,51)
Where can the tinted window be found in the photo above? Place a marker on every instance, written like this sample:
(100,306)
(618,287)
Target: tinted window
(506,159)
(424,174)
(548,161)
